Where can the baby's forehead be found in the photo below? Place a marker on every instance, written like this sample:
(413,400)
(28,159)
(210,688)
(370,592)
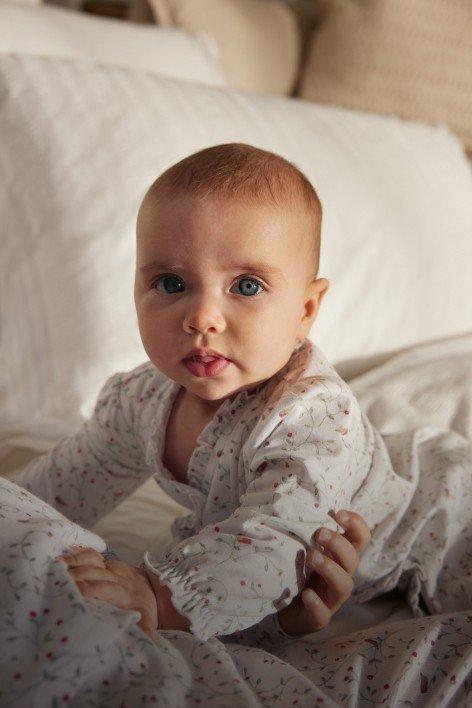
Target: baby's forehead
(277,233)
(261,226)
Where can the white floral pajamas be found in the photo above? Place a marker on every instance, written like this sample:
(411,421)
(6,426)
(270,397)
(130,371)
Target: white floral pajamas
(265,473)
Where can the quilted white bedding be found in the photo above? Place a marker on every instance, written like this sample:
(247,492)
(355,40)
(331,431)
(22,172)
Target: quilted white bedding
(95,655)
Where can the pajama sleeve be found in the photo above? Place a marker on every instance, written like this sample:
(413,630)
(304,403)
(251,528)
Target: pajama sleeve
(88,474)
(234,573)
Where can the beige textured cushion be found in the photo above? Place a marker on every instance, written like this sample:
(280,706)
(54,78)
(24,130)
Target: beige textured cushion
(259,40)
(409,58)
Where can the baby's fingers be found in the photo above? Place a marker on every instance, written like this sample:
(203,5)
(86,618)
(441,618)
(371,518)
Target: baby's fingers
(339,583)
(87,556)
(339,549)
(357,531)
(116,595)
(91,572)
(106,590)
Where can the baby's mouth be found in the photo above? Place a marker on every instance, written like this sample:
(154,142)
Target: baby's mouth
(203,366)
(203,359)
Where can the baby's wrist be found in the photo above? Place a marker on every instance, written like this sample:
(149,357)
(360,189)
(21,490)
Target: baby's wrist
(167,616)
(156,590)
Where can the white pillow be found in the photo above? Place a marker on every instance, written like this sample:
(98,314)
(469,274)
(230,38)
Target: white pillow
(28,2)
(80,145)
(61,32)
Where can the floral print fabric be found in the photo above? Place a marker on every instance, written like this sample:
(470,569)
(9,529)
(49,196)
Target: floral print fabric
(57,649)
(265,474)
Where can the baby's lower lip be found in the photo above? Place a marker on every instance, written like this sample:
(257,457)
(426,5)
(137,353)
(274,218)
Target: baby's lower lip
(202,369)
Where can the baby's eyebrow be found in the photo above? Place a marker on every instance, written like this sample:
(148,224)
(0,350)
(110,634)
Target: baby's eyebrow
(258,266)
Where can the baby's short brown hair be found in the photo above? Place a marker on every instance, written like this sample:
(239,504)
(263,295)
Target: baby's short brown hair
(241,170)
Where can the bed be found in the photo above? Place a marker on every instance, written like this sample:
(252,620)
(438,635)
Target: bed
(85,135)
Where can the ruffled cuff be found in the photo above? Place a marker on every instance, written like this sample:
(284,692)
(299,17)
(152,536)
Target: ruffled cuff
(189,598)
(194,599)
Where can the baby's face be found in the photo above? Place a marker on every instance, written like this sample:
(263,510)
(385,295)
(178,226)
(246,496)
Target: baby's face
(226,276)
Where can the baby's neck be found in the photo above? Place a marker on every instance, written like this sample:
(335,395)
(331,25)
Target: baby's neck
(200,408)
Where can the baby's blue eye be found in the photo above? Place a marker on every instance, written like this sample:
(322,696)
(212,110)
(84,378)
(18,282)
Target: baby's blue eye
(166,279)
(249,283)
(176,285)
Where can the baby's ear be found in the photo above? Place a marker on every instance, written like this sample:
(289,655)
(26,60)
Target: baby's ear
(323,285)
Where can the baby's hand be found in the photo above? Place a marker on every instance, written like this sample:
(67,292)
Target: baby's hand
(113,581)
(331,582)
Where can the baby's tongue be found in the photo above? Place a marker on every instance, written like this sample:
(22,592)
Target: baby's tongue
(207,366)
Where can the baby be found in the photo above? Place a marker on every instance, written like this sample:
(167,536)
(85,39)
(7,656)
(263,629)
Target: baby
(219,214)
(238,416)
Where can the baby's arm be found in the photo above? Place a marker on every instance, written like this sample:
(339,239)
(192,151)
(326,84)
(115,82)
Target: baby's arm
(331,584)
(89,473)
(237,571)
(328,586)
